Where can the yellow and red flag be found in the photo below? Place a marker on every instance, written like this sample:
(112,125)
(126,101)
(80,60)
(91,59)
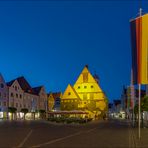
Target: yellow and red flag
(139,39)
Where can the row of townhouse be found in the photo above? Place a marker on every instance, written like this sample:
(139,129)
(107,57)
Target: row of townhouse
(19,94)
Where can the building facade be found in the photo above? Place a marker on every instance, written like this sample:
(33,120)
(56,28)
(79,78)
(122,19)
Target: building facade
(15,99)
(85,95)
(42,98)
(54,101)
(18,95)
(3,98)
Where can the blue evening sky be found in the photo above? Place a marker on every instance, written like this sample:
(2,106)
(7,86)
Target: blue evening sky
(49,42)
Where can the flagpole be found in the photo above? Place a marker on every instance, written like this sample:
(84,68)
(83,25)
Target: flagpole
(139,110)
(132,96)
(133,106)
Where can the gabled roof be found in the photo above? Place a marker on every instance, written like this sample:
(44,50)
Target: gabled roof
(88,74)
(56,95)
(1,78)
(70,93)
(37,90)
(24,84)
(10,83)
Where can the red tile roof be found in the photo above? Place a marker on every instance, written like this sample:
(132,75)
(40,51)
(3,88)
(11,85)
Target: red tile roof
(37,90)
(23,84)
(55,94)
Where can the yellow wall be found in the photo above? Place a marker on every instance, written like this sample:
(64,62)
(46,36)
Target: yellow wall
(89,87)
(50,102)
(85,90)
(70,93)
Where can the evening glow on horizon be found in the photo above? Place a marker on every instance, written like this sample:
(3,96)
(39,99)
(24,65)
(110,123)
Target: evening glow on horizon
(50,42)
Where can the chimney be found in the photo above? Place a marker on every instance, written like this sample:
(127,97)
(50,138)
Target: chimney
(86,66)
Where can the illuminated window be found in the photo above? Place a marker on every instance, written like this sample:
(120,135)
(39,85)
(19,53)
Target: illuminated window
(69,93)
(85,77)
(85,86)
(92,86)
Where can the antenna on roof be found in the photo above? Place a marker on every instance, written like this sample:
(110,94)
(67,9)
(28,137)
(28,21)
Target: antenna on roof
(140,11)
(86,65)
(140,7)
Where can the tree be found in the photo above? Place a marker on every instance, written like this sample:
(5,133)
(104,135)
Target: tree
(144,104)
(25,111)
(12,110)
(42,113)
(144,107)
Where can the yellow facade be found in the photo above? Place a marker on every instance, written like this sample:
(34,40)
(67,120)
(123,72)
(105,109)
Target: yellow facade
(50,102)
(86,95)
